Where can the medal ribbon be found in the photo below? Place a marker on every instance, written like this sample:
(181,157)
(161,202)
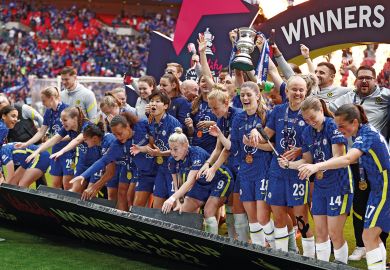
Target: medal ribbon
(262,65)
(286,133)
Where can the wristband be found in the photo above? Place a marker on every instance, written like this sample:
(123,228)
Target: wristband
(279,55)
(171,199)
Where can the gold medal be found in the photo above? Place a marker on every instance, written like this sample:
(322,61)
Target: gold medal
(320,175)
(249,159)
(129,175)
(362,185)
(199,134)
(159,160)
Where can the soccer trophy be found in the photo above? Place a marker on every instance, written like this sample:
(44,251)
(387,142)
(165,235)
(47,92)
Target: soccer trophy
(245,46)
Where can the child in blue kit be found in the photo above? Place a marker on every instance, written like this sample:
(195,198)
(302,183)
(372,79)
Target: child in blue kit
(27,173)
(333,190)
(184,164)
(60,169)
(371,150)
(160,128)
(131,134)
(74,123)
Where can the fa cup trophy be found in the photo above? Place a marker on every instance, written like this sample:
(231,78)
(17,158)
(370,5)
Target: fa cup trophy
(245,46)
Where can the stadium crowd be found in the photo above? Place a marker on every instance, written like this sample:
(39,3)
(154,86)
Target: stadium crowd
(70,37)
(187,145)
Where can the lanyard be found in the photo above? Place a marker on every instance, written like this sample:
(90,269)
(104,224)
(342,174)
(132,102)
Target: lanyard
(226,124)
(362,171)
(286,132)
(127,153)
(247,126)
(361,102)
(318,138)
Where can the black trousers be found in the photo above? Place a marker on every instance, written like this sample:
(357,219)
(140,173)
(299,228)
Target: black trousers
(360,198)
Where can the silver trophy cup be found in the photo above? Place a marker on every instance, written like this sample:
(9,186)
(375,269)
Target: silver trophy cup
(245,46)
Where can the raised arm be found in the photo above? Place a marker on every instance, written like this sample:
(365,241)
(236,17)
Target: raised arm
(206,72)
(306,54)
(282,63)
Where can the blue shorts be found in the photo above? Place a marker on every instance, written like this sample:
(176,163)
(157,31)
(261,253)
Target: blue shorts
(163,184)
(331,204)
(219,187)
(113,183)
(253,190)
(126,175)
(236,188)
(378,211)
(94,178)
(145,183)
(284,191)
(64,165)
(43,162)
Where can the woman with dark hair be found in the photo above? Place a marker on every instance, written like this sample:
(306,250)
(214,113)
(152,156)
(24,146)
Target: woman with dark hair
(60,169)
(9,118)
(74,123)
(129,132)
(371,150)
(333,189)
(179,106)
(161,126)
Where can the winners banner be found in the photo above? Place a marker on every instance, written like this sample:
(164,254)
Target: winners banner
(105,226)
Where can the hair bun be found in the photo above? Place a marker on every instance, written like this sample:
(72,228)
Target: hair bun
(178,130)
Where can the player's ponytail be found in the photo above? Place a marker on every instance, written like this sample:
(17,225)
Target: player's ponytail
(351,112)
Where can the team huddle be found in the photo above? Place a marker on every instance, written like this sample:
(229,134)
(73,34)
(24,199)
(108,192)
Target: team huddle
(232,144)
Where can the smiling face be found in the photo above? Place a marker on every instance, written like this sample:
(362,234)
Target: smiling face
(144,89)
(313,118)
(249,98)
(324,75)
(178,150)
(296,91)
(347,128)
(68,123)
(365,82)
(68,81)
(10,119)
(203,86)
